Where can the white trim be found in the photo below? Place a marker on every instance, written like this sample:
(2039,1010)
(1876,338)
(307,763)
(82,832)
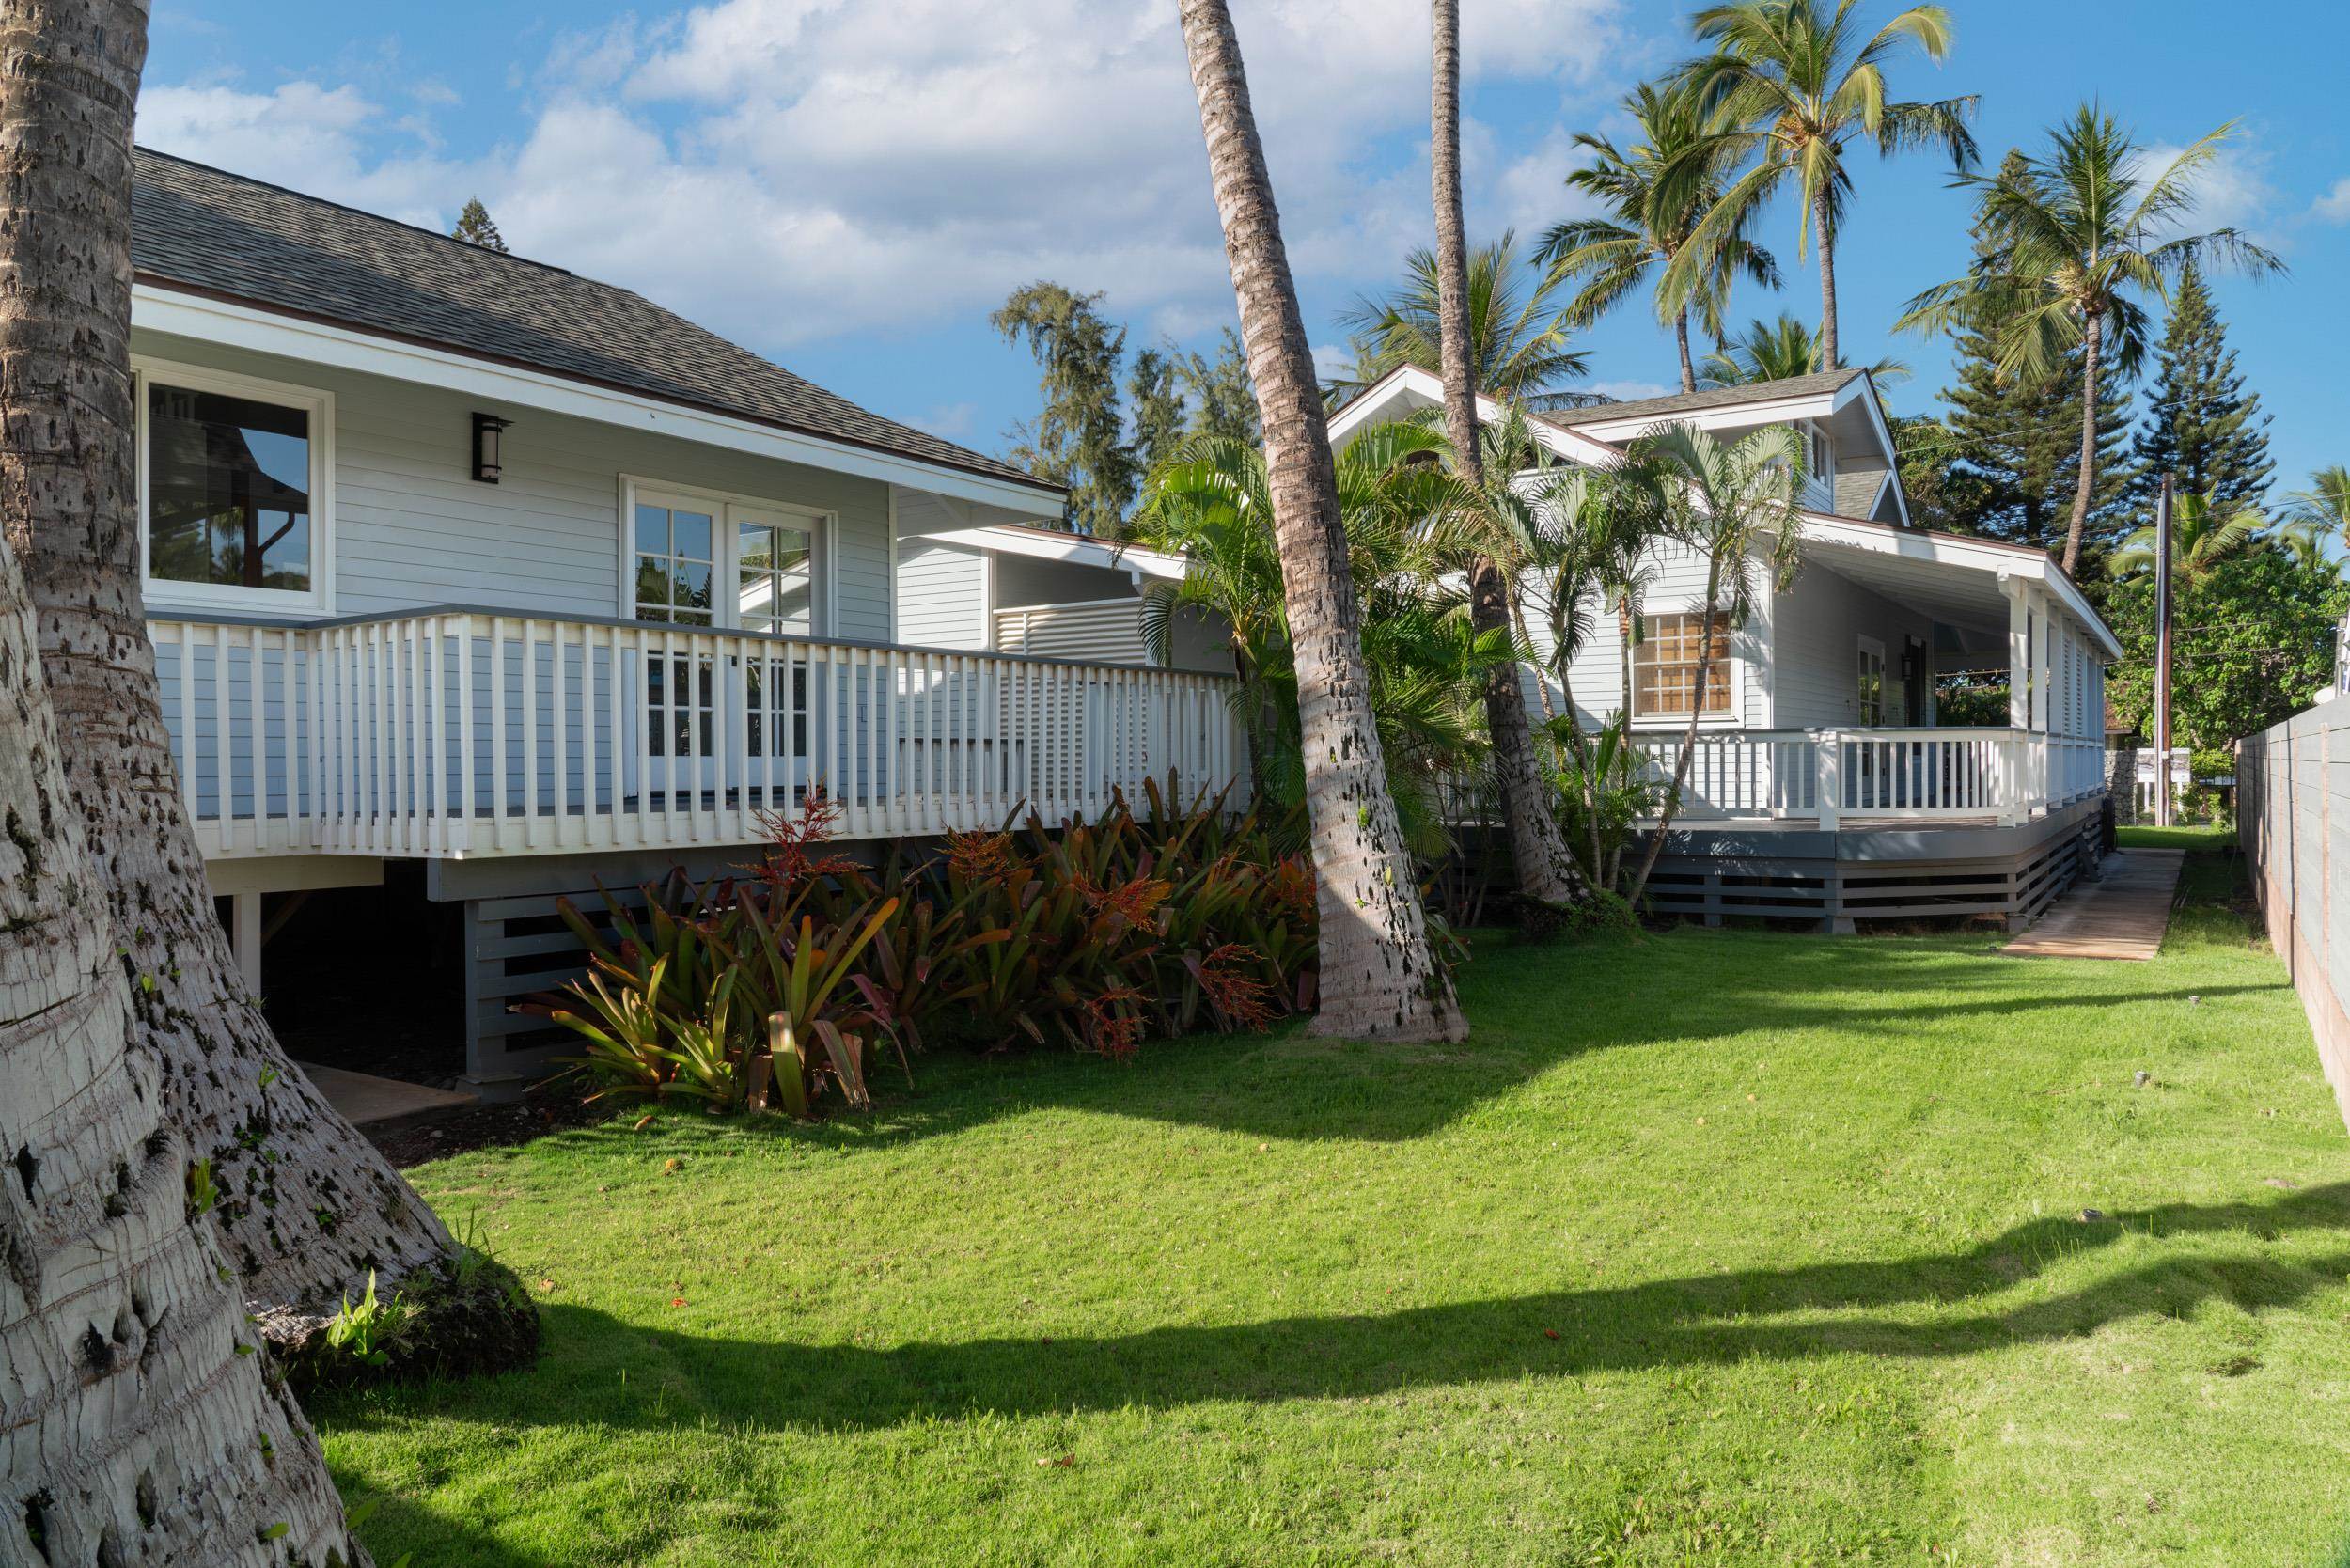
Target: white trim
(2005,560)
(1073,549)
(157,308)
(893,563)
(317,405)
(725,551)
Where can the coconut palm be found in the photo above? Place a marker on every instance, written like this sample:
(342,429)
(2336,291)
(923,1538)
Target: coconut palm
(1651,220)
(1547,877)
(1735,506)
(2201,538)
(1518,326)
(2322,513)
(1409,520)
(1792,86)
(2072,239)
(1777,350)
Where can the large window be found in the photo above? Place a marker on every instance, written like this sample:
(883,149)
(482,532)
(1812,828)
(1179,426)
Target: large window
(231,475)
(775,589)
(675,563)
(1665,665)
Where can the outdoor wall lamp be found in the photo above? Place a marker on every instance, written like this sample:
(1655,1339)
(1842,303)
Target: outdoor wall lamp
(488,442)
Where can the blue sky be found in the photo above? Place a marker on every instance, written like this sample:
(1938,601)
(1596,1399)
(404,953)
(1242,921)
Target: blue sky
(850,186)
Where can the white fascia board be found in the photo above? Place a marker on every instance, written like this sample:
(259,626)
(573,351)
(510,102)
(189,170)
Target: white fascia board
(2008,561)
(242,326)
(1073,549)
(1412,382)
(1773,411)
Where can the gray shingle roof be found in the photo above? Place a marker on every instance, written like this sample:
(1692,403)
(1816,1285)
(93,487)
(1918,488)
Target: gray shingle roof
(1712,396)
(1856,491)
(201,228)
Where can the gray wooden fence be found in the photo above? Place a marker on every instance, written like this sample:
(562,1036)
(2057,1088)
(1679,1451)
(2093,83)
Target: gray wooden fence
(2293,817)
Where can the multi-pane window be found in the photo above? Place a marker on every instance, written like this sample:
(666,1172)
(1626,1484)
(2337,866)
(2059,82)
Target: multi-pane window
(772,569)
(1871,681)
(675,564)
(1666,661)
(228,482)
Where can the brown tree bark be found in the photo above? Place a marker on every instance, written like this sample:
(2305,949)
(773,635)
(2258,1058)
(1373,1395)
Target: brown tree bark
(1547,869)
(1690,735)
(1681,341)
(307,1206)
(1378,978)
(1829,358)
(137,1423)
(2093,349)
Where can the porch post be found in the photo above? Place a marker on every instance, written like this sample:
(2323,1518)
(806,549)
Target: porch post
(1829,747)
(2018,655)
(244,938)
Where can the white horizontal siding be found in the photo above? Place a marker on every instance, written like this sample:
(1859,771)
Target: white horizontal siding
(1817,627)
(942,588)
(412,529)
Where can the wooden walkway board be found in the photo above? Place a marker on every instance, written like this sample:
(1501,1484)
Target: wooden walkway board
(2121,917)
(364,1098)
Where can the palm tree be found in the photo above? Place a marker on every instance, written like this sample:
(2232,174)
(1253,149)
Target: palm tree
(1793,87)
(1518,335)
(1378,975)
(1734,504)
(2070,239)
(139,1425)
(2322,513)
(1409,520)
(1652,219)
(2199,540)
(1779,351)
(1547,872)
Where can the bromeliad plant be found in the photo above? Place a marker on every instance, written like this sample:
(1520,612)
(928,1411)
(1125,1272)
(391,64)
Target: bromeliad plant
(771,988)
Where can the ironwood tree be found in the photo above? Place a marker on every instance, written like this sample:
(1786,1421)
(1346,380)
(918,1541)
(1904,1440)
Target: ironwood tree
(2202,424)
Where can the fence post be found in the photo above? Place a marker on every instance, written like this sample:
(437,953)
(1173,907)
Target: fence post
(1830,746)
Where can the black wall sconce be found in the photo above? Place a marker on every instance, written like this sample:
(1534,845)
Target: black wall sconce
(489,440)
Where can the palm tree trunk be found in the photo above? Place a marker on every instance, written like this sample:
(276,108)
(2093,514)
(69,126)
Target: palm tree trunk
(139,1427)
(1681,341)
(307,1206)
(1829,358)
(2093,345)
(1689,737)
(1378,977)
(1546,869)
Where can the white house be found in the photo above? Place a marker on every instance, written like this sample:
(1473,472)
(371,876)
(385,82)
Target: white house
(459,561)
(1824,786)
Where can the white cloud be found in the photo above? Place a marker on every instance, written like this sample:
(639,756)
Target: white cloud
(2334,206)
(949,422)
(2229,192)
(790,170)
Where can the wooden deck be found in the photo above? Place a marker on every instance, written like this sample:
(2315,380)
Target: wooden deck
(2122,916)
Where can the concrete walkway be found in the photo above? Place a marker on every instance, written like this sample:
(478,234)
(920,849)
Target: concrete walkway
(2122,916)
(364,1098)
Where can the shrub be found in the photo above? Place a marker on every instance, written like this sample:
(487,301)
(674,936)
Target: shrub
(770,986)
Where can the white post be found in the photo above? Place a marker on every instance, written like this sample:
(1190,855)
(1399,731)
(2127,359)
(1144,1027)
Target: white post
(2018,655)
(1831,779)
(245,937)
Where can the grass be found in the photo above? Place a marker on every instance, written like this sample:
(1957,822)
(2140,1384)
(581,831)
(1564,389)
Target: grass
(1723,1247)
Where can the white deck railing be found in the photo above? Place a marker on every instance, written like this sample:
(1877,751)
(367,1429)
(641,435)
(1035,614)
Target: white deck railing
(1923,775)
(461,733)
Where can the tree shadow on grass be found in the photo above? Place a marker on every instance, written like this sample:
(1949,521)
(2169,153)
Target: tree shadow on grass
(604,1370)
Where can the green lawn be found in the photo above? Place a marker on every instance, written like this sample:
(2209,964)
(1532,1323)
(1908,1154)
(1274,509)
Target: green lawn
(1722,1246)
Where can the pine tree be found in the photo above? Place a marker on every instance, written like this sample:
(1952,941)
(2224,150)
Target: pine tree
(2203,425)
(1222,398)
(2016,444)
(475,228)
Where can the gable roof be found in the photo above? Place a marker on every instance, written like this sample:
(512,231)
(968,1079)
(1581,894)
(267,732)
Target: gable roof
(1711,397)
(202,230)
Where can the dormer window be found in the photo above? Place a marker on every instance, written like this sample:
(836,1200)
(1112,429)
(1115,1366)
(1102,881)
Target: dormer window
(1818,457)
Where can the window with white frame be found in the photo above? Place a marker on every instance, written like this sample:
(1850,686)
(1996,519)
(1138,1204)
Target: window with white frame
(1817,455)
(1666,660)
(1871,684)
(232,477)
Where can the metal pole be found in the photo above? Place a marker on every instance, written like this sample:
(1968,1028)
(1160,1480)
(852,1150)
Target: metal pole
(2162,656)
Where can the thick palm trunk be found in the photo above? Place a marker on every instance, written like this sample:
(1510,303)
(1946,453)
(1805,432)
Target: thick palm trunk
(1689,736)
(1829,357)
(2093,345)
(1547,869)
(136,1424)
(1378,978)
(1681,341)
(307,1207)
